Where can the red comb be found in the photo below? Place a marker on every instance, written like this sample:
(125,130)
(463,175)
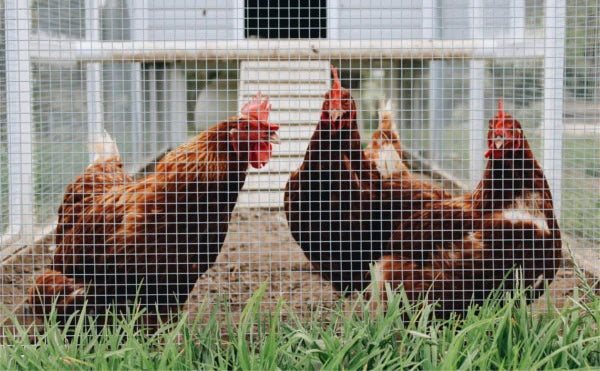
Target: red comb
(501,113)
(257,109)
(336,90)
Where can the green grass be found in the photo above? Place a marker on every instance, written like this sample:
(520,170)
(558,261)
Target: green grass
(580,183)
(503,334)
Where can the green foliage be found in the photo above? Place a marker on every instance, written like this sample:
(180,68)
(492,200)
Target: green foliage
(582,49)
(504,333)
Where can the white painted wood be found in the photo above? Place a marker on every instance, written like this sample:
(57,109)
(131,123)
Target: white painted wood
(176,105)
(478,122)
(294,117)
(287,66)
(265,182)
(95,102)
(138,14)
(187,20)
(333,19)
(238,19)
(296,90)
(161,110)
(294,131)
(476,97)
(429,19)
(292,148)
(19,123)
(497,15)
(552,125)
(287,104)
(455,19)
(284,89)
(164,107)
(47,50)
(378,20)
(137,116)
(301,75)
(432,31)
(150,132)
(437,117)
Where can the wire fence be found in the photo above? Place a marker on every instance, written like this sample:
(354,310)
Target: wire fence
(155,74)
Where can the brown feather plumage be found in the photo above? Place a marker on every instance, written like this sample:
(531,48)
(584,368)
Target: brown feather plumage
(457,251)
(340,210)
(116,236)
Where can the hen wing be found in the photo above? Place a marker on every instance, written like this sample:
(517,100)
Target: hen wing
(77,222)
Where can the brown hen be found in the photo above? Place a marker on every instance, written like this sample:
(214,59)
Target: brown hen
(458,251)
(340,209)
(117,238)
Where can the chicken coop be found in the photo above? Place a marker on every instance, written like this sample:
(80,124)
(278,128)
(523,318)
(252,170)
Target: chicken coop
(435,146)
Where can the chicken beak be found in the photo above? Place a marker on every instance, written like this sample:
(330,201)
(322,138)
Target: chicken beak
(274,138)
(335,114)
(498,143)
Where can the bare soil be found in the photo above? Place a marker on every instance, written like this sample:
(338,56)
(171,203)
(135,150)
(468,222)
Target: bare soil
(258,249)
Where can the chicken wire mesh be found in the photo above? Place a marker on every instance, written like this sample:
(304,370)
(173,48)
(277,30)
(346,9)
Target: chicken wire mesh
(154,74)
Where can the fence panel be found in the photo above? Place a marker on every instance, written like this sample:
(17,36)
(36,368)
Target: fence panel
(151,75)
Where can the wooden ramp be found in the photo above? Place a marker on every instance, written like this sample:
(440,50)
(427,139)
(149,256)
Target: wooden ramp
(296,90)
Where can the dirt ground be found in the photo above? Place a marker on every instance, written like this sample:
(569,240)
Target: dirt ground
(259,248)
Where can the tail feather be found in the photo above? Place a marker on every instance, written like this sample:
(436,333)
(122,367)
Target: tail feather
(104,147)
(54,287)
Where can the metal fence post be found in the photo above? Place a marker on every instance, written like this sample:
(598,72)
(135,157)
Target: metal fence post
(476,98)
(95,106)
(20,138)
(552,124)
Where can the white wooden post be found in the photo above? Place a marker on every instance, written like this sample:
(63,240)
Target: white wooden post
(437,119)
(138,16)
(431,31)
(476,98)
(478,122)
(176,101)
(333,19)
(95,105)
(137,115)
(19,119)
(552,127)
(160,90)
(238,19)
(150,133)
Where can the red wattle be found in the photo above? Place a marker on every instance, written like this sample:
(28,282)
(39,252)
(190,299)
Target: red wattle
(260,154)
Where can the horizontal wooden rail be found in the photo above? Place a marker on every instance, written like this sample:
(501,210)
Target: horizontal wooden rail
(47,50)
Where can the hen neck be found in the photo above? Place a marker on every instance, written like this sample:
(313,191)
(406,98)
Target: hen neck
(509,177)
(208,159)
